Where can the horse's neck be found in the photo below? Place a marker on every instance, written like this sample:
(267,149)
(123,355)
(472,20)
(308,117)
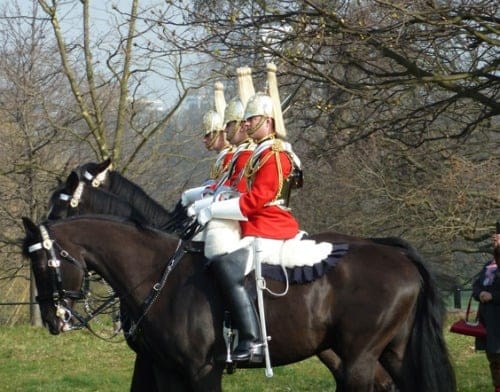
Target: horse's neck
(131,274)
(138,199)
(102,202)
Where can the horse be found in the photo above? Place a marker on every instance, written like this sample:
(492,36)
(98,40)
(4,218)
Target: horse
(76,197)
(80,194)
(101,175)
(376,303)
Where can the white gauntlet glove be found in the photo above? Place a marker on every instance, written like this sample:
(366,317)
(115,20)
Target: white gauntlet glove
(193,194)
(225,209)
(195,208)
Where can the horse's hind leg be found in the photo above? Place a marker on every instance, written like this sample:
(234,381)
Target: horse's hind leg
(382,383)
(393,362)
(333,363)
(359,375)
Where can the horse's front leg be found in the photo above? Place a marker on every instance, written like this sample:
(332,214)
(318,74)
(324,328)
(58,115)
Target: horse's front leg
(333,363)
(143,378)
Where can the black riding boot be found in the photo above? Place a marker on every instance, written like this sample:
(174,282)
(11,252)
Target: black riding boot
(229,270)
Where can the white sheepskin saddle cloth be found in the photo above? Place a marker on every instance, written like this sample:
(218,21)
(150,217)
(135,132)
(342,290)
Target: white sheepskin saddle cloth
(221,236)
(224,236)
(294,252)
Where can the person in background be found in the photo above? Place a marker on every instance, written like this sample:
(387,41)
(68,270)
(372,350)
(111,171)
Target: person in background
(222,235)
(236,131)
(486,290)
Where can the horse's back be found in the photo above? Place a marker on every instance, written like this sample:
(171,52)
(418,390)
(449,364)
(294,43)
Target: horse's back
(370,292)
(372,277)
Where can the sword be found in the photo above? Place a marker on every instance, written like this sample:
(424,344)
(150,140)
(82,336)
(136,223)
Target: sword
(261,284)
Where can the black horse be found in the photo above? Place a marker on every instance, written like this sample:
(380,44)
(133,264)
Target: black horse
(88,190)
(100,175)
(377,303)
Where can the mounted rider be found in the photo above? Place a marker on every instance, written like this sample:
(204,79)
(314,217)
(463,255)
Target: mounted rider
(236,133)
(215,139)
(261,211)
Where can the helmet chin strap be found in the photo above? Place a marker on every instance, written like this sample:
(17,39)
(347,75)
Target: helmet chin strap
(213,139)
(236,128)
(252,130)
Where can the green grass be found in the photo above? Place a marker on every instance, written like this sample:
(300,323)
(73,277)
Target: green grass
(33,360)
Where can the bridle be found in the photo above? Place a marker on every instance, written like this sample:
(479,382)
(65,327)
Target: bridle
(76,197)
(96,180)
(58,295)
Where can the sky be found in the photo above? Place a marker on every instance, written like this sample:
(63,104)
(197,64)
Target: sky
(160,88)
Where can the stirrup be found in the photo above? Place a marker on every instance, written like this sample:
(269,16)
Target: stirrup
(257,353)
(254,354)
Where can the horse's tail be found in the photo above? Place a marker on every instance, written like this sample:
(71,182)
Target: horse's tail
(426,364)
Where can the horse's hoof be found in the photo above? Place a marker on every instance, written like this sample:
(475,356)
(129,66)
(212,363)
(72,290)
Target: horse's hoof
(230,368)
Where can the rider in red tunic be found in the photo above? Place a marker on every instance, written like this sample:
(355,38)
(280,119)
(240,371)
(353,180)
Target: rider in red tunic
(263,213)
(215,139)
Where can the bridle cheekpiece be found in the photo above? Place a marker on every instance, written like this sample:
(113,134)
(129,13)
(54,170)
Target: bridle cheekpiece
(60,296)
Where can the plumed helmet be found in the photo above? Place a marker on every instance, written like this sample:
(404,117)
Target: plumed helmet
(234,110)
(219,99)
(272,83)
(259,105)
(212,122)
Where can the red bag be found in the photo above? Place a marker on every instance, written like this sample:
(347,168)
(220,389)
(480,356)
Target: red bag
(469,328)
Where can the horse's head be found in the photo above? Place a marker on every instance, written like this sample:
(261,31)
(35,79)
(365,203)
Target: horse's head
(60,278)
(95,174)
(66,199)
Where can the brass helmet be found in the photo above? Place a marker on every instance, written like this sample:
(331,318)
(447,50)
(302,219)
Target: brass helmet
(259,105)
(212,122)
(234,111)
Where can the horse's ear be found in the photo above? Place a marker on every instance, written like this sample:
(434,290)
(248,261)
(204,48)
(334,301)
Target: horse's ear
(109,164)
(72,181)
(101,167)
(29,226)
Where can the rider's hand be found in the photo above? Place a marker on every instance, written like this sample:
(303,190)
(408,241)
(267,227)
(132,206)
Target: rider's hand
(204,215)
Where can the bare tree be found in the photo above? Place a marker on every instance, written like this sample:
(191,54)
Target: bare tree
(393,106)
(35,110)
(71,93)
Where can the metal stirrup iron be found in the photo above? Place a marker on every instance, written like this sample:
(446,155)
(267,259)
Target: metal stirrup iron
(260,283)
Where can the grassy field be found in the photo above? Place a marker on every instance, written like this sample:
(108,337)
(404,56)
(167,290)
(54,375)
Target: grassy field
(33,360)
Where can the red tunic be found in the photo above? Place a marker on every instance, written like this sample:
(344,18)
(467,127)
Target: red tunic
(220,166)
(236,179)
(221,163)
(264,220)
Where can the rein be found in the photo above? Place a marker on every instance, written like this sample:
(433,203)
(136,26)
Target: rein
(155,291)
(59,295)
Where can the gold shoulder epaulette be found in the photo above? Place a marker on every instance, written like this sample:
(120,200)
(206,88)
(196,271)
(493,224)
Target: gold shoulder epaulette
(277,145)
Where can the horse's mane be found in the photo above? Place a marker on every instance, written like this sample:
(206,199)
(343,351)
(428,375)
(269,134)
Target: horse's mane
(133,193)
(105,202)
(159,217)
(128,190)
